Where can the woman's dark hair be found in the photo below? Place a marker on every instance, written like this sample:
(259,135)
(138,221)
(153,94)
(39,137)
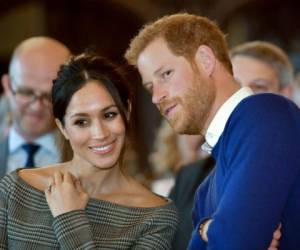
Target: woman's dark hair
(82,69)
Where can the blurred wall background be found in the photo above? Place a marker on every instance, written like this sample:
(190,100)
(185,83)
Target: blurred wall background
(107,26)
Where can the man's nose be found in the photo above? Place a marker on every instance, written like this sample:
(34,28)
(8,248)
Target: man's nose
(158,94)
(37,103)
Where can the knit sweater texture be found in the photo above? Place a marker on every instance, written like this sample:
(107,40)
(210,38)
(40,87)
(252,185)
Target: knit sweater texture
(26,222)
(256,182)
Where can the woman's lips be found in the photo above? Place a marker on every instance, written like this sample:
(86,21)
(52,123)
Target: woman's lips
(103,149)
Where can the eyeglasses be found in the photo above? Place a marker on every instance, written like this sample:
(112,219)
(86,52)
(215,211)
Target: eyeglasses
(26,95)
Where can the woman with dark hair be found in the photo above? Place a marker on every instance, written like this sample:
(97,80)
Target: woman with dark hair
(89,202)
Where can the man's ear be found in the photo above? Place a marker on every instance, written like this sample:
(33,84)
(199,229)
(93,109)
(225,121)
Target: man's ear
(61,128)
(5,81)
(205,59)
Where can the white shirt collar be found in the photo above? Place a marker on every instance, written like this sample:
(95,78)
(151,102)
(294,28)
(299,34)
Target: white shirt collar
(47,141)
(217,125)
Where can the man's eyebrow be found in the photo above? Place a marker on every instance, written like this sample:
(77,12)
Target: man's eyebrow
(158,70)
(261,80)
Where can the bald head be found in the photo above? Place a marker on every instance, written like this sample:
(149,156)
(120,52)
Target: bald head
(41,54)
(34,65)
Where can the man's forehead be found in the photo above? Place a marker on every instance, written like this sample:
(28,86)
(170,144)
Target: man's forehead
(154,57)
(23,73)
(254,67)
(153,48)
(33,80)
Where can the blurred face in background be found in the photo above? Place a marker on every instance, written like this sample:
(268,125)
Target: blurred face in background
(30,92)
(190,148)
(29,84)
(258,75)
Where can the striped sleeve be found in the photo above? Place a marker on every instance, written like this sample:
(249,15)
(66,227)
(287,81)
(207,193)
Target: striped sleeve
(73,231)
(4,193)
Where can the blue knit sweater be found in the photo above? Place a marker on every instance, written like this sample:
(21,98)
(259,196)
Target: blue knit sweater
(256,182)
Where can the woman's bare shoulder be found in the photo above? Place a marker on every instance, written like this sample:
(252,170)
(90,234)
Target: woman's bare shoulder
(39,177)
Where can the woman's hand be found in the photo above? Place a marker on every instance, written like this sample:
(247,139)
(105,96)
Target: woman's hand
(65,194)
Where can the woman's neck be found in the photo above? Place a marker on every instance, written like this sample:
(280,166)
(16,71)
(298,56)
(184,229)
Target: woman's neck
(97,181)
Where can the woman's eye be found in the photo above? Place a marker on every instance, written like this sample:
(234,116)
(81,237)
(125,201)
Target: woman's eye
(81,123)
(110,115)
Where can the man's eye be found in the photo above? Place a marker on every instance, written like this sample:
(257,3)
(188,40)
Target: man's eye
(47,96)
(167,73)
(258,88)
(25,92)
(81,123)
(110,115)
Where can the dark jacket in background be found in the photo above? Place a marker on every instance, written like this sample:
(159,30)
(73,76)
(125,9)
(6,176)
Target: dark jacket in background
(186,184)
(3,156)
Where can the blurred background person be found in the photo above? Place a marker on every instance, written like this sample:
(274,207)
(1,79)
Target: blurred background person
(187,181)
(262,66)
(296,91)
(31,139)
(5,114)
(171,151)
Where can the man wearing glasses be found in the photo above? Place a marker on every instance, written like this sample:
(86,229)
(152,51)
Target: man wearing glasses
(31,140)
